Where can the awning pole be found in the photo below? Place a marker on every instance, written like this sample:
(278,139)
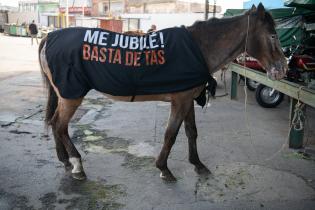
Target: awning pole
(67,13)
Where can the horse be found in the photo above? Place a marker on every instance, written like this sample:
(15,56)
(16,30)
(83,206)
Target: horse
(220,41)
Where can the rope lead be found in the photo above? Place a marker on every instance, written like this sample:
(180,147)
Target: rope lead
(297,121)
(298,117)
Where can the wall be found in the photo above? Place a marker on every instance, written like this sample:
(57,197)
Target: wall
(3,19)
(235,4)
(43,20)
(86,22)
(20,17)
(95,8)
(166,20)
(116,8)
(76,3)
(49,7)
(161,8)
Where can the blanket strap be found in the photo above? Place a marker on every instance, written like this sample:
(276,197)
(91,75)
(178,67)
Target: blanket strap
(207,92)
(132,98)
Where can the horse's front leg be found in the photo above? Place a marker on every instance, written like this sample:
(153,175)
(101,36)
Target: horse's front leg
(179,109)
(191,133)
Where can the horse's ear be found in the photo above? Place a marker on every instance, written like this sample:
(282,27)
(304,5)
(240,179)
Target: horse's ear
(252,10)
(261,11)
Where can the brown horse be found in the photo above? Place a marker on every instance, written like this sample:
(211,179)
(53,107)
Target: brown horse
(220,41)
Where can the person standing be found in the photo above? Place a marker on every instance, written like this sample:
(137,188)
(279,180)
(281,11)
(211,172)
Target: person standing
(152,29)
(33,30)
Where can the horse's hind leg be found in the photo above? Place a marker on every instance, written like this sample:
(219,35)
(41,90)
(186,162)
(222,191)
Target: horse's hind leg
(65,110)
(179,109)
(62,154)
(191,133)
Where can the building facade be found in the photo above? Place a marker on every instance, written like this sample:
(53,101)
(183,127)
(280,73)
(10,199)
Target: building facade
(77,9)
(134,14)
(141,14)
(43,12)
(108,8)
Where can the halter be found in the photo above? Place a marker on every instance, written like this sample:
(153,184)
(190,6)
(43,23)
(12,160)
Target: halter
(244,54)
(246,38)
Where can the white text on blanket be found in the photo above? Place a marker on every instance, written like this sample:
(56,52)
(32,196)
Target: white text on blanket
(150,41)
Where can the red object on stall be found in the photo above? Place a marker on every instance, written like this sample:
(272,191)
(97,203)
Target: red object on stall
(111,25)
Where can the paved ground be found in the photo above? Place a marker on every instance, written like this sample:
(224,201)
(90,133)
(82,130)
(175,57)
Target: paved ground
(119,141)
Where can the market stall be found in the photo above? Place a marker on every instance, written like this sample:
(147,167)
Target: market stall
(295,27)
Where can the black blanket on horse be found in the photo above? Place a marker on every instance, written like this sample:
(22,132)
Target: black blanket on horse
(81,59)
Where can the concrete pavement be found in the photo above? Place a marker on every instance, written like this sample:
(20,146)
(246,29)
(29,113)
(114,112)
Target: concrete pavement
(119,142)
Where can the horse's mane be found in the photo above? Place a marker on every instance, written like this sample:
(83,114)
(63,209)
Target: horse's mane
(269,19)
(218,21)
(214,21)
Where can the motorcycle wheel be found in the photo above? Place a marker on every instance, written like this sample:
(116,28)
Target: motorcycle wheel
(266,100)
(251,84)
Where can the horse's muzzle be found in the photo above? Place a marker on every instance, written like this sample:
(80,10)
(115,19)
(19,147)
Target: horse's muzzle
(278,71)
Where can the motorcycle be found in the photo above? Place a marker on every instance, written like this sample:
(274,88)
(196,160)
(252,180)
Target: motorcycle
(268,97)
(302,66)
(301,70)
(252,63)
(301,63)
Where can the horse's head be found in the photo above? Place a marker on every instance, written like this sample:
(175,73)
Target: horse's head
(263,43)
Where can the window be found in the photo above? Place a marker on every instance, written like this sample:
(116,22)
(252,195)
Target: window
(131,24)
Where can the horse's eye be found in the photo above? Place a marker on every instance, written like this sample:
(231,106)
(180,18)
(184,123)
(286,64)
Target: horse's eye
(273,36)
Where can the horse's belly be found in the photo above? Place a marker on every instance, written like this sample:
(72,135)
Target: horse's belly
(167,97)
(157,97)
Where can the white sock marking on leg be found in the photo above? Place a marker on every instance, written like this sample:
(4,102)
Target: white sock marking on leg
(77,166)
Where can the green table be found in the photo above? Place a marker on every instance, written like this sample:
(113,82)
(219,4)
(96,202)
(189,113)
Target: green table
(293,90)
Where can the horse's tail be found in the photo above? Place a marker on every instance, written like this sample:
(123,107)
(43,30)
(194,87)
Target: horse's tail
(52,100)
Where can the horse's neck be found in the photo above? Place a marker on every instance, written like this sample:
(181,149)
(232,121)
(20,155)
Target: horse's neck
(221,42)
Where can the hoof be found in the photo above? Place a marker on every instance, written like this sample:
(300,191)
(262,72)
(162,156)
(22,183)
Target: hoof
(68,167)
(168,177)
(79,176)
(202,170)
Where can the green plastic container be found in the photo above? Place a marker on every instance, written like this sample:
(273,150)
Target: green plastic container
(296,138)
(13,30)
(23,31)
(18,30)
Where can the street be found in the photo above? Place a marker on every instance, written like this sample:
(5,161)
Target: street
(119,141)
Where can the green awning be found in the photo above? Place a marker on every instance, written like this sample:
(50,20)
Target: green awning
(307,4)
(290,27)
(290,22)
(276,13)
(233,12)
